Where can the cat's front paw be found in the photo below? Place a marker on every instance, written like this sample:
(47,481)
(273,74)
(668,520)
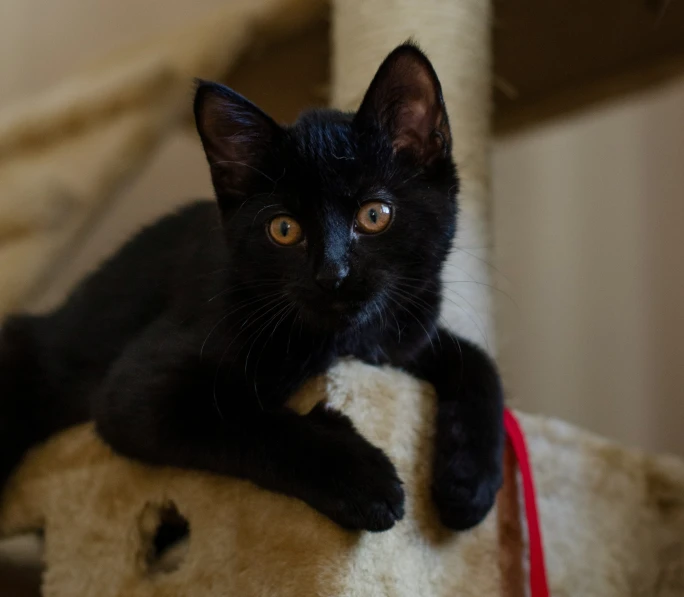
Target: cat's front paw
(362,490)
(463,501)
(372,505)
(354,483)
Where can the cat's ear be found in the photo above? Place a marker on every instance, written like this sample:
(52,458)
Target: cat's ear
(405,102)
(236,135)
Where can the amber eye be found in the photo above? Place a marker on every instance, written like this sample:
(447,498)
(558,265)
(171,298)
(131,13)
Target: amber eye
(374,217)
(285,230)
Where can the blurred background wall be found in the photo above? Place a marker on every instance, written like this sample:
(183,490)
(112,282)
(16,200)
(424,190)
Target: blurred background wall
(588,213)
(589,217)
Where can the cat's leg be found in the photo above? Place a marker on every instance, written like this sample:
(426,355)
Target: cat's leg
(17,365)
(34,402)
(157,405)
(469,431)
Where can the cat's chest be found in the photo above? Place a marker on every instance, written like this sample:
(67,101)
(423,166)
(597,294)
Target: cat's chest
(276,368)
(369,348)
(382,347)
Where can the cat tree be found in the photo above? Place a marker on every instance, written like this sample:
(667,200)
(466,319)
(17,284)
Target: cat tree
(613,518)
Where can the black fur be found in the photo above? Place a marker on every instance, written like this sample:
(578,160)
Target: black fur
(185,346)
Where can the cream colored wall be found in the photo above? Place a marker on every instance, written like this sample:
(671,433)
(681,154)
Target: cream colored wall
(588,218)
(589,222)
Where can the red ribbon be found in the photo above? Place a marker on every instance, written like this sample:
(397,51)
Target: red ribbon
(539,586)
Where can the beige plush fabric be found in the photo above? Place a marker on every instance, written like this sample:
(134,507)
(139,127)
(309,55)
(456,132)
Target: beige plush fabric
(613,518)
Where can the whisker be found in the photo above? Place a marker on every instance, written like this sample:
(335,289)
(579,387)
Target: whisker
(287,310)
(239,209)
(261,331)
(470,281)
(244,286)
(484,284)
(289,337)
(396,302)
(416,302)
(246,166)
(479,326)
(250,319)
(262,209)
(396,321)
(245,303)
(380,315)
(452,336)
(258,335)
(485,262)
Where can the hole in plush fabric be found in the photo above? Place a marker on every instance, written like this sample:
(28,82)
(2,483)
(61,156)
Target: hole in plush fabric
(21,566)
(166,535)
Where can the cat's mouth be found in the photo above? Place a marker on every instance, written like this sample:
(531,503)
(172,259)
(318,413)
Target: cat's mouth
(345,306)
(333,311)
(336,306)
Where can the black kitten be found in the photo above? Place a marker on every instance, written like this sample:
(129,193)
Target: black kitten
(330,240)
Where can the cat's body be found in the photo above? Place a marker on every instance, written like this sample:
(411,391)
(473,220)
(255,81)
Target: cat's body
(328,242)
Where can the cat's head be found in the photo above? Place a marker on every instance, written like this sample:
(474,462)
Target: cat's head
(343,213)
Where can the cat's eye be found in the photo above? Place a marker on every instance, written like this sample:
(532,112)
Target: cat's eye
(284,230)
(374,217)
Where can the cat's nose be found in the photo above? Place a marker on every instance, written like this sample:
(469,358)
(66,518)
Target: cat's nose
(331,276)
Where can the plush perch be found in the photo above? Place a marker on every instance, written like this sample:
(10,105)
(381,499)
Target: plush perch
(613,519)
